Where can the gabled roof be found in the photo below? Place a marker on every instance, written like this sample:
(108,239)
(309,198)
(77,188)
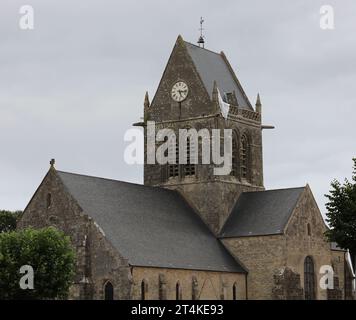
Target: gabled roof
(149,226)
(211,67)
(261,213)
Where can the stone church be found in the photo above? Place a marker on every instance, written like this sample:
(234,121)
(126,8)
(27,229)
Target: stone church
(187,233)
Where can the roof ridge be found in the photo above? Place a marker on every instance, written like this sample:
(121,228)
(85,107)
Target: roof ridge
(102,178)
(271,190)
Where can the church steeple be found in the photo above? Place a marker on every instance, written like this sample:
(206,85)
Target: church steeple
(188,98)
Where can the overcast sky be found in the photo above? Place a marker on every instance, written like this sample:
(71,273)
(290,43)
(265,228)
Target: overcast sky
(70,88)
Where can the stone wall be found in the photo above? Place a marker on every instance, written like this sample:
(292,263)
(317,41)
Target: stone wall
(338,264)
(194,284)
(96,260)
(106,264)
(336,292)
(263,256)
(287,285)
(65,214)
(300,244)
(213,200)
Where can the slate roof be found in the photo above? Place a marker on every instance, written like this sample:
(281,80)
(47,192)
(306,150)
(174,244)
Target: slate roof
(149,226)
(212,67)
(261,213)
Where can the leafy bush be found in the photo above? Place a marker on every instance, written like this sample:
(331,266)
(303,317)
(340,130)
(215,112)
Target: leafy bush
(51,256)
(8,220)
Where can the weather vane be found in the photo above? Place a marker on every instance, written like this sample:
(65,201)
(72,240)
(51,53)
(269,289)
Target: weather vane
(201,38)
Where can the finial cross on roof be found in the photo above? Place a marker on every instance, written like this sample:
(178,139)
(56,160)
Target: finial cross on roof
(201,38)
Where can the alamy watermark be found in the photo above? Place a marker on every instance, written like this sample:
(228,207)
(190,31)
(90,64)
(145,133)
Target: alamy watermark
(27,281)
(164,147)
(326,281)
(327,278)
(27,17)
(327,17)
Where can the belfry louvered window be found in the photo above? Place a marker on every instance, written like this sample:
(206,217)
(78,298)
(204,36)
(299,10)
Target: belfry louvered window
(234,158)
(244,157)
(189,167)
(173,168)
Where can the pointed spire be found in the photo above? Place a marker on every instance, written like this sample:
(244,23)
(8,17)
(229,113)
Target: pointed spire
(258,104)
(146,103)
(180,39)
(258,100)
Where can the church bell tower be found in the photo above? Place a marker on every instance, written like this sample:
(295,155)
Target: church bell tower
(199,90)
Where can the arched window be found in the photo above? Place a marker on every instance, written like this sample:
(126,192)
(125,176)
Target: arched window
(108,291)
(234,291)
(244,157)
(178,291)
(235,156)
(309,279)
(49,200)
(309,229)
(144,288)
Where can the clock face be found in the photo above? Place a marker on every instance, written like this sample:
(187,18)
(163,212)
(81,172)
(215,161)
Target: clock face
(179,91)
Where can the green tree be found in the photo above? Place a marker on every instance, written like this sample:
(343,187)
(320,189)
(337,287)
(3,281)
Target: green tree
(8,220)
(48,251)
(341,214)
